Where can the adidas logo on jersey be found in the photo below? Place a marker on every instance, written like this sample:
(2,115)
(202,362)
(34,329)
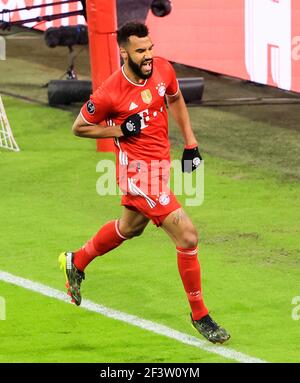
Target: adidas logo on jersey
(133,106)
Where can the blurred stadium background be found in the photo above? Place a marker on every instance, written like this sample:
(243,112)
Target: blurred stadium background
(247,124)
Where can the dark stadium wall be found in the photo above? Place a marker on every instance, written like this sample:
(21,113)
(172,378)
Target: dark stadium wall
(132,10)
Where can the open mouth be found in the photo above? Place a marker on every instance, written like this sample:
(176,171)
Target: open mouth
(147,65)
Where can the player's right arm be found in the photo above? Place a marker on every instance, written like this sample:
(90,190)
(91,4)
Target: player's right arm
(130,127)
(98,109)
(94,111)
(83,129)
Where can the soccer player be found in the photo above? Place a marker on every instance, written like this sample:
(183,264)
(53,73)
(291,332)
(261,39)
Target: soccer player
(132,102)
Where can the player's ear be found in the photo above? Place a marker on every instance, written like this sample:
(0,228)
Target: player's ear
(123,53)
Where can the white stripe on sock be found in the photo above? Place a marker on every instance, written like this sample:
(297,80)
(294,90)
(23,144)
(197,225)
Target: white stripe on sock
(117,229)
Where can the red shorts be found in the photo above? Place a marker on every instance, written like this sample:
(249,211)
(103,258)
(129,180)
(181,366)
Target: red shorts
(147,191)
(156,208)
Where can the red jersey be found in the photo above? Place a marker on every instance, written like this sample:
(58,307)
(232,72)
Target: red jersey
(143,161)
(118,98)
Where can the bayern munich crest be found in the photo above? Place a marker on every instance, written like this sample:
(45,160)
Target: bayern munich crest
(161,88)
(164,199)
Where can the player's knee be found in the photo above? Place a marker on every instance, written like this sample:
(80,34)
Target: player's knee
(189,240)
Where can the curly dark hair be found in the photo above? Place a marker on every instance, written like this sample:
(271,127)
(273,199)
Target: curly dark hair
(132,28)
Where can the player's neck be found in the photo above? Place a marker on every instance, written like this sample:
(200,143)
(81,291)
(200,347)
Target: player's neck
(132,76)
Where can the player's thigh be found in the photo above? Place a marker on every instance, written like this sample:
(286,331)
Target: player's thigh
(181,229)
(132,222)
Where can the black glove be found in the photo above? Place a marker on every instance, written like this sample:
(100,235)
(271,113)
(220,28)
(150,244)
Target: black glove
(132,125)
(191,159)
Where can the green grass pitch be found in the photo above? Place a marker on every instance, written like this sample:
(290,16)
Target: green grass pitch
(249,253)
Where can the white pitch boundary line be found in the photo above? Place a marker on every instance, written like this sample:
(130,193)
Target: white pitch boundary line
(131,319)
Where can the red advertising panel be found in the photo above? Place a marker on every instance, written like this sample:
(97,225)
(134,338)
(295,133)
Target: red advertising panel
(257,40)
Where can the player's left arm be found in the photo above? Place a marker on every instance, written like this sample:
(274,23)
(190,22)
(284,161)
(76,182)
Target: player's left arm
(191,157)
(181,116)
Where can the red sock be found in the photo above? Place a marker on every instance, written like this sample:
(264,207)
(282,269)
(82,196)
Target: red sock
(107,238)
(189,270)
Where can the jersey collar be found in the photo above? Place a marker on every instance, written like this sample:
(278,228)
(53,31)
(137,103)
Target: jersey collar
(131,82)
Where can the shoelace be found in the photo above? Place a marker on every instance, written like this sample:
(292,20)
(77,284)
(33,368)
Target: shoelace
(209,322)
(80,275)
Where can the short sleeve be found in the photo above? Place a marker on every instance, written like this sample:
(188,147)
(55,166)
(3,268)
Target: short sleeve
(97,108)
(173,87)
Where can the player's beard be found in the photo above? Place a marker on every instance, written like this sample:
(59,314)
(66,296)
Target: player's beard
(136,68)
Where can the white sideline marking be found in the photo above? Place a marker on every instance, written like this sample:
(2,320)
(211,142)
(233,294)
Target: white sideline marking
(131,319)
